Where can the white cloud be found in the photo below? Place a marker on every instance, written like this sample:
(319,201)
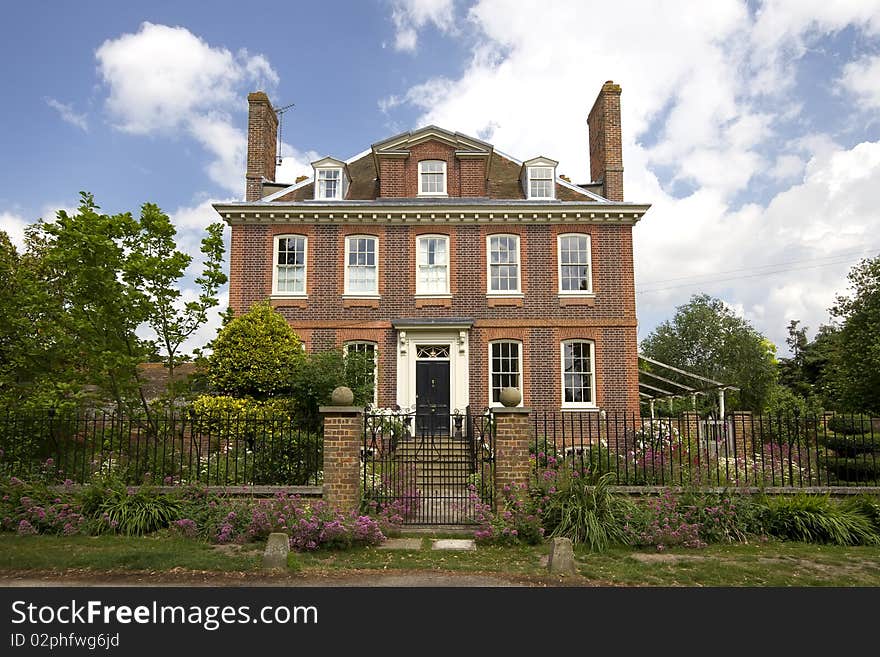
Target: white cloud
(68,114)
(410,16)
(862,78)
(13,225)
(167,80)
(786,167)
(707,90)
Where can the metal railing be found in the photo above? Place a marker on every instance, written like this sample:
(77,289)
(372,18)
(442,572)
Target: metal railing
(176,446)
(743,450)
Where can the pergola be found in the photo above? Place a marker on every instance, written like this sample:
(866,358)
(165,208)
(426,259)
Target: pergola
(658,387)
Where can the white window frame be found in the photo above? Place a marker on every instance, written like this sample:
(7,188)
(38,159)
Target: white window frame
(285,294)
(519,345)
(552,180)
(503,293)
(443,171)
(580,405)
(375,346)
(589,290)
(419,291)
(348,292)
(339,182)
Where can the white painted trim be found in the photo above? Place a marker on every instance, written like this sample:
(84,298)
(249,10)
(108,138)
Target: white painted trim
(428,213)
(577,405)
(456,339)
(494,404)
(276,294)
(581,190)
(574,293)
(503,293)
(445,181)
(362,295)
(437,295)
(528,182)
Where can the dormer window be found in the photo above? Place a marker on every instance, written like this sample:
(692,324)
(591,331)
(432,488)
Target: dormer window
(331,179)
(539,178)
(432,178)
(328,183)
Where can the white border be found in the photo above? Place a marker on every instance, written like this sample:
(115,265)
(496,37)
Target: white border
(503,293)
(434,295)
(345,264)
(445,180)
(489,370)
(574,293)
(290,295)
(577,405)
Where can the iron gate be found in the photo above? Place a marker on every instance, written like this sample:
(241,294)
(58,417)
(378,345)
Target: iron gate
(432,468)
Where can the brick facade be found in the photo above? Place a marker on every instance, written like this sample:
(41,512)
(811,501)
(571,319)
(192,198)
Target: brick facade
(539,317)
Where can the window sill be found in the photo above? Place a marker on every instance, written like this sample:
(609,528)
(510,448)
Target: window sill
(581,299)
(432,195)
(278,301)
(586,409)
(433,296)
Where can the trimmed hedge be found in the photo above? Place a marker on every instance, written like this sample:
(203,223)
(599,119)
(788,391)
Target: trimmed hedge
(862,469)
(850,425)
(852,445)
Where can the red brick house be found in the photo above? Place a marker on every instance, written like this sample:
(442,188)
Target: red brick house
(464,269)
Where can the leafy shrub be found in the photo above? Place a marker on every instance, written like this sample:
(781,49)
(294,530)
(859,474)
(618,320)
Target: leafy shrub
(517,522)
(311,524)
(588,515)
(816,519)
(659,522)
(850,425)
(33,508)
(138,512)
(867,506)
(254,353)
(852,445)
(861,469)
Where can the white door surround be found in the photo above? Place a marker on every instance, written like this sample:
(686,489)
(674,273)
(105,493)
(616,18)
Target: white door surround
(412,335)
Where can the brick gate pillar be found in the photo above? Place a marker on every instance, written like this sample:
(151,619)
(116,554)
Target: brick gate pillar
(343,438)
(511,449)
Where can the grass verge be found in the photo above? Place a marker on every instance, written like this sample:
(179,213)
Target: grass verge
(763,564)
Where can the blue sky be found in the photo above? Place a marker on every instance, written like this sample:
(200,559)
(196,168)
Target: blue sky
(753,128)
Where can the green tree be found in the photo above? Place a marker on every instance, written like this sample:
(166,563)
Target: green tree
(80,260)
(705,337)
(255,354)
(71,305)
(857,357)
(155,266)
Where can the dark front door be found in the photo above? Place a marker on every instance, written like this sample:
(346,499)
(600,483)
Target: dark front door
(432,396)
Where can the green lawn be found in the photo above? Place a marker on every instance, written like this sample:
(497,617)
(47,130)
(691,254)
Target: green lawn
(766,564)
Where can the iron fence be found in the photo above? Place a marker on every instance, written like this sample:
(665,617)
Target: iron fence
(742,450)
(430,468)
(175,446)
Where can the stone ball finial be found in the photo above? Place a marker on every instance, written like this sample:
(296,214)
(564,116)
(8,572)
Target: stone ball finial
(342,396)
(510,397)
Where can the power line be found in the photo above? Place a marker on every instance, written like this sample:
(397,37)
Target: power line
(842,254)
(706,281)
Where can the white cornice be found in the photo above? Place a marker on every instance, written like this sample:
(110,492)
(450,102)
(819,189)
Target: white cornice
(501,213)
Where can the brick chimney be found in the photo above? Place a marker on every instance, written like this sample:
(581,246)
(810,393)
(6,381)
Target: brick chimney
(606,152)
(261,144)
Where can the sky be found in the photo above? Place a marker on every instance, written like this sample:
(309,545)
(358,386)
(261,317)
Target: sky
(753,128)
